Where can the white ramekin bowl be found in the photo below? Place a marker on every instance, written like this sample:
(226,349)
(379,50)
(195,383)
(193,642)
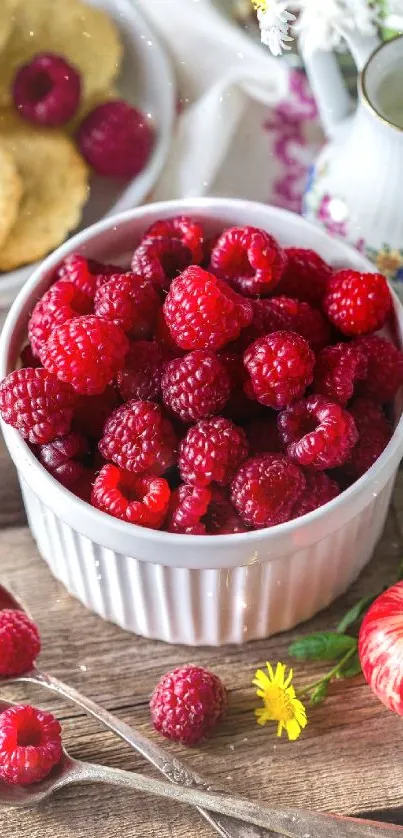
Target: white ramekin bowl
(192,589)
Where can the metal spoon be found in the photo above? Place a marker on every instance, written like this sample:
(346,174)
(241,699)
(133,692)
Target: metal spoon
(290,822)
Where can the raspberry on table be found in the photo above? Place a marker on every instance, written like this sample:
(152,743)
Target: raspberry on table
(30,745)
(181,227)
(280,367)
(140,499)
(116,139)
(187,509)
(86,352)
(250,259)
(203,312)
(374,434)
(137,437)
(211,452)
(221,518)
(37,404)
(20,642)
(130,302)
(47,90)
(195,386)
(141,375)
(357,303)
(63,458)
(305,276)
(317,433)
(263,436)
(160,260)
(319,489)
(303,319)
(86,274)
(338,370)
(64,301)
(385,368)
(188,704)
(91,412)
(265,489)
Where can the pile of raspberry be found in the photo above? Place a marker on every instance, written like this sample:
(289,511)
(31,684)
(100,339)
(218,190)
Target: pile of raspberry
(214,386)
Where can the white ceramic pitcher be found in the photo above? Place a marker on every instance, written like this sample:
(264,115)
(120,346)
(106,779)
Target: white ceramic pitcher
(355,188)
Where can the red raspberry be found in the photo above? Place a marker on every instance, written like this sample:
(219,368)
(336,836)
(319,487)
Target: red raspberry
(317,433)
(87,353)
(187,508)
(37,404)
(221,518)
(250,259)
(187,230)
(338,369)
(20,643)
(64,301)
(164,338)
(188,704)
(265,490)
(28,359)
(141,375)
(30,745)
(263,436)
(212,451)
(160,260)
(47,90)
(385,368)
(239,407)
(374,434)
(130,302)
(137,437)
(305,277)
(319,489)
(91,412)
(357,303)
(62,458)
(86,274)
(280,367)
(202,312)
(116,139)
(304,320)
(140,499)
(195,386)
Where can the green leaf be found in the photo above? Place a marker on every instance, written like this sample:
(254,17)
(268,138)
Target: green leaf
(354,614)
(352,667)
(319,693)
(323,646)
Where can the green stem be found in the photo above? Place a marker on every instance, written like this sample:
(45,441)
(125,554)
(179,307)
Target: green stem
(331,673)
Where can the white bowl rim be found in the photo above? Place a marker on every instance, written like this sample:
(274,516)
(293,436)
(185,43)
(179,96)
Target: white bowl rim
(159,537)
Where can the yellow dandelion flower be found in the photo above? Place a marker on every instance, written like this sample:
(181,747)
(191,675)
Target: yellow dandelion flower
(260,5)
(280,701)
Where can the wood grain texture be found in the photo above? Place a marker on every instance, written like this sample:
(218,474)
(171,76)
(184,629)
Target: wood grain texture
(348,760)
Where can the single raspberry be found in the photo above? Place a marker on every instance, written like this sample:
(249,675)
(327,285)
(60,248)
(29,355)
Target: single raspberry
(116,139)
(86,352)
(160,260)
(305,276)
(265,489)
(130,302)
(319,489)
(250,259)
(141,375)
(211,452)
(186,229)
(91,412)
(357,303)
(28,359)
(137,437)
(188,704)
(280,367)
(47,90)
(304,320)
(262,434)
(385,368)
(63,458)
(187,508)
(140,499)
(20,643)
(64,301)
(374,434)
(37,404)
(221,518)
(239,407)
(338,370)
(195,386)
(30,745)
(86,274)
(203,312)
(317,433)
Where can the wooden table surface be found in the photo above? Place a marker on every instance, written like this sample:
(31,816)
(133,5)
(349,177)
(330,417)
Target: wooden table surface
(349,759)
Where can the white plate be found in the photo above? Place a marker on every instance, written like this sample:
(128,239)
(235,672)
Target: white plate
(147,81)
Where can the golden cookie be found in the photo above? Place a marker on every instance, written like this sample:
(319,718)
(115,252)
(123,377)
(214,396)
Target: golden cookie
(55,187)
(85,36)
(10,193)
(7,10)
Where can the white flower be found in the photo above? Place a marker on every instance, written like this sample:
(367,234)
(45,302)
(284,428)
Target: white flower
(274,21)
(320,21)
(393,17)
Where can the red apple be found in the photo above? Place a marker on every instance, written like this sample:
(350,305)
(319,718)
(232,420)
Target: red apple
(380,648)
